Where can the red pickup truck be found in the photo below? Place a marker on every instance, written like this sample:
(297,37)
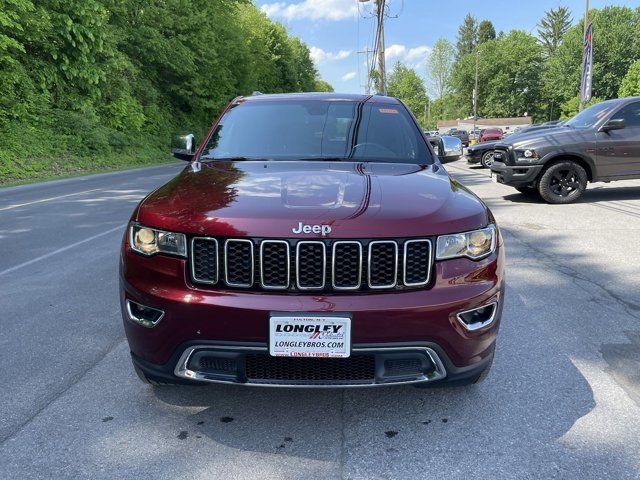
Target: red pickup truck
(312,240)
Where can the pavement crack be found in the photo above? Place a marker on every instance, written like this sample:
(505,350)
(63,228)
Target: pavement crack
(79,376)
(629,307)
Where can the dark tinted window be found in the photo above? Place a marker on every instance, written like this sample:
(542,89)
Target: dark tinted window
(630,113)
(309,129)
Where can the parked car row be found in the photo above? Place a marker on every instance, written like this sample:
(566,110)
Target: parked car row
(463,135)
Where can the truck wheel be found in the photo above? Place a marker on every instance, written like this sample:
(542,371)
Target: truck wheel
(487,159)
(563,182)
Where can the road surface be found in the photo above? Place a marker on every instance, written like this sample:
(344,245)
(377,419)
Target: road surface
(563,399)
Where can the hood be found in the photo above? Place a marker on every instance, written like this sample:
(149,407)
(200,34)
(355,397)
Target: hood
(269,199)
(482,145)
(554,135)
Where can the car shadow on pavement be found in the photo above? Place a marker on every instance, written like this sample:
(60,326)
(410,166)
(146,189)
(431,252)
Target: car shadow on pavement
(591,195)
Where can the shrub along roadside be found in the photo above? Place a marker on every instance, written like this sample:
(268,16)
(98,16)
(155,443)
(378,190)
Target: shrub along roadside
(64,148)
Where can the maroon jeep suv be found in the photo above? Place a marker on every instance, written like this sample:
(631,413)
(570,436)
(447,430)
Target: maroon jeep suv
(312,240)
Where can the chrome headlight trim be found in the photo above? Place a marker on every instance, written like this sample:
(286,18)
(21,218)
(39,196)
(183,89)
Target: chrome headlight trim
(181,250)
(465,237)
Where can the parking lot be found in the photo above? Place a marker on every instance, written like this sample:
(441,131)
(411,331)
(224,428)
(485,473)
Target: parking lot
(562,400)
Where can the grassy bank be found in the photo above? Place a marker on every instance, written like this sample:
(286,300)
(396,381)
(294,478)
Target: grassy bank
(31,153)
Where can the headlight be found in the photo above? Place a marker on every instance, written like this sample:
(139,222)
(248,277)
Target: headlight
(474,245)
(149,241)
(528,155)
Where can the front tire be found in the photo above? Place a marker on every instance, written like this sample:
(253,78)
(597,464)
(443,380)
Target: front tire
(487,159)
(563,182)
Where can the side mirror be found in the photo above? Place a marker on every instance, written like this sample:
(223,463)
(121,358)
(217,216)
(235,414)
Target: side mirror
(183,147)
(451,149)
(613,124)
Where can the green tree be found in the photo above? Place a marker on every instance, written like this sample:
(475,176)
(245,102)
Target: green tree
(322,86)
(509,77)
(552,27)
(93,81)
(305,70)
(630,86)
(467,38)
(616,45)
(405,84)
(486,31)
(439,66)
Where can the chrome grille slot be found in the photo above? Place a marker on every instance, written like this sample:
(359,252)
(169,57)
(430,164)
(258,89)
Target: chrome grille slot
(274,264)
(238,262)
(311,265)
(346,265)
(383,264)
(204,260)
(417,262)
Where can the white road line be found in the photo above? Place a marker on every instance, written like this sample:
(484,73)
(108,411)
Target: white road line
(17,205)
(60,250)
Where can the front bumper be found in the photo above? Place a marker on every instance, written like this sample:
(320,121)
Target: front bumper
(473,157)
(516,175)
(389,364)
(237,322)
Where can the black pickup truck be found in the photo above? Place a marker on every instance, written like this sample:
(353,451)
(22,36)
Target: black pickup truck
(599,144)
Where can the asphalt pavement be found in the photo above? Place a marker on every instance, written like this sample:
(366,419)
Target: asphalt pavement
(562,400)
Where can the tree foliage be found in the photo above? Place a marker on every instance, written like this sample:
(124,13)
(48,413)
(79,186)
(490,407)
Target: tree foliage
(509,76)
(486,31)
(467,36)
(616,46)
(552,27)
(405,84)
(123,75)
(518,73)
(439,66)
(630,85)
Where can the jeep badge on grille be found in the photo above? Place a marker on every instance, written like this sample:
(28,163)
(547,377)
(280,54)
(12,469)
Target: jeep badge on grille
(303,228)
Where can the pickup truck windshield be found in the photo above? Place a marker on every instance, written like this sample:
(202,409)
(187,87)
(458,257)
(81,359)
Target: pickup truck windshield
(317,130)
(590,116)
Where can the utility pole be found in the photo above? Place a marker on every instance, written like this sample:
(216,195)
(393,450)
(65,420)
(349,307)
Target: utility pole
(584,36)
(382,74)
(381,80)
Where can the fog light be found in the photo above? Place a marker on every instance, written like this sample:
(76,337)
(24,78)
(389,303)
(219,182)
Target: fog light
(478,318)
(142,315)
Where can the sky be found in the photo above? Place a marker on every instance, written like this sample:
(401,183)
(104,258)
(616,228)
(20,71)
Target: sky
(336,30)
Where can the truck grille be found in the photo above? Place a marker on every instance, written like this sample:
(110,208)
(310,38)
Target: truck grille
(311,265)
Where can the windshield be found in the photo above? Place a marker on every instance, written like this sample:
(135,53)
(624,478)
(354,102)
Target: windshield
(590,116)
(317,129)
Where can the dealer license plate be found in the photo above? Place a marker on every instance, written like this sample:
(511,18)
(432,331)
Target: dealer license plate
(309,336)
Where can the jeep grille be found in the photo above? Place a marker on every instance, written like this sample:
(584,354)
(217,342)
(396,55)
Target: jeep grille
(311,265)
